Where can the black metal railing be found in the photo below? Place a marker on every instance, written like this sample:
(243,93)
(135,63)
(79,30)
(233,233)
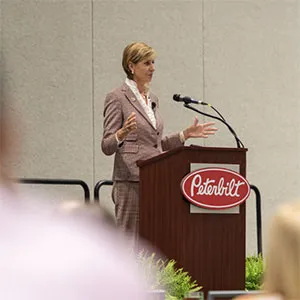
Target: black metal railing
(258,219)
(102,183)
(58,182)
(214,295)
(97,187)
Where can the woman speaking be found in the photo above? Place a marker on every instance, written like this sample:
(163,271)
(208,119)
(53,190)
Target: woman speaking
(133,130)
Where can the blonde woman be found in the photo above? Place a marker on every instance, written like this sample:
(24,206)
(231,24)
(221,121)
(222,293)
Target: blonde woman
(283,261)
(282,275)
(133,130)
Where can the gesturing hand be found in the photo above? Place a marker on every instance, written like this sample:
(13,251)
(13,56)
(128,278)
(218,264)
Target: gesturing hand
(128,126)
(130,123)
(197,130)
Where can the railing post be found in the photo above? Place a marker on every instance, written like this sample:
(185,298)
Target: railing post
(97,187)
(258,219)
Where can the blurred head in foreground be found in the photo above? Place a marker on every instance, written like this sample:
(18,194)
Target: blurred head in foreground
(4,141)
(10,126)
(91,211)
(45,255)
(282,273)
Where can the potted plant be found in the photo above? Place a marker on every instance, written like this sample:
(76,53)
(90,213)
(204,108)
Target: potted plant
(254,272)
(163,274)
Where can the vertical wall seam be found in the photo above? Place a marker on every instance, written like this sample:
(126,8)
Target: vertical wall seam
(93,93)
(203,61)
(203,51)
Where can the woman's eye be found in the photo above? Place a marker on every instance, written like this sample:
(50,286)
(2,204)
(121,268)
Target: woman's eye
(148,63)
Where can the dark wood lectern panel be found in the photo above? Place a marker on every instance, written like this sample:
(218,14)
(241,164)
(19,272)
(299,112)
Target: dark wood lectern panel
(211,247)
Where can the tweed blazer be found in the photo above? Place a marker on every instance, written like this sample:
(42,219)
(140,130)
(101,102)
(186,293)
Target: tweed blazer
(143,143)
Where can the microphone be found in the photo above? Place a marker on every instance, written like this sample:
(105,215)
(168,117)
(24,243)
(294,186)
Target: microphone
(187,100)
(153,105)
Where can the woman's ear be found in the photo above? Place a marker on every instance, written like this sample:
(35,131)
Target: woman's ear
(131,68)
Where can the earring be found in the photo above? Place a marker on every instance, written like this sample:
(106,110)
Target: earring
(132,72)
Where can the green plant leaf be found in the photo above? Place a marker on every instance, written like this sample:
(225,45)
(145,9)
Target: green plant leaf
(167,276)
(254,272)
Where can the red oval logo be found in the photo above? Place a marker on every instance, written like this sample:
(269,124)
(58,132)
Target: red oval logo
(215,188)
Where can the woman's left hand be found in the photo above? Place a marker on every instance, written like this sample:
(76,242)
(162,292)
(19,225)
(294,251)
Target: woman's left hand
(199,130)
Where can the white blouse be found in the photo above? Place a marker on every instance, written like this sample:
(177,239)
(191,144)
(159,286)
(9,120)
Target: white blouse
(146,106)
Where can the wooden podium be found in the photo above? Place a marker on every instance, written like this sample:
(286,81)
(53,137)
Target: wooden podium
(211,247)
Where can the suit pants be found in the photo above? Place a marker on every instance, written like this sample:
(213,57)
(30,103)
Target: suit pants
(125,195)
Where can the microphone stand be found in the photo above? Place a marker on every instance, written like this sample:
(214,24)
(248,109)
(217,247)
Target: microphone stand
(221,119)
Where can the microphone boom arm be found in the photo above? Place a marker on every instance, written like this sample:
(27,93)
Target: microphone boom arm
(238,141)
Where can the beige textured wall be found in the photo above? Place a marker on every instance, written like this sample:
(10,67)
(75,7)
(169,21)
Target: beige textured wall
(252,74)
(62,57)
(47,48)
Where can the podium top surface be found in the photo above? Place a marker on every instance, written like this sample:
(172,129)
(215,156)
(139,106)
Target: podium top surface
(195,148)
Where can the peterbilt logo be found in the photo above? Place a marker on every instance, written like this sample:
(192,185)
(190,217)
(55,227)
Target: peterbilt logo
(215,188)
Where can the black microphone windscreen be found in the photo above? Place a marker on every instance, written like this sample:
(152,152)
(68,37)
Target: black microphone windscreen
(176,97)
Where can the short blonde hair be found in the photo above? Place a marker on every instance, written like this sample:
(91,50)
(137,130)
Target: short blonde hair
(134,53)
(283,260)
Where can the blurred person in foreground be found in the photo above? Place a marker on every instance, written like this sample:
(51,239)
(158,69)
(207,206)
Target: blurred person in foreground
(133,130)
(45,255)
(5,145)
(282,274)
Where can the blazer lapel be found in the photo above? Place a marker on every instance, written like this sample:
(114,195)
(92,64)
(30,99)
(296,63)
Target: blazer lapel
(135,102)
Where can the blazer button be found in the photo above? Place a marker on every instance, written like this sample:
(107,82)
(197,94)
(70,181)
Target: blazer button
(157,133)
(155,146)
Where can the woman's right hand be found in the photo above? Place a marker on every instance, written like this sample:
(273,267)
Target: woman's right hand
(128,126)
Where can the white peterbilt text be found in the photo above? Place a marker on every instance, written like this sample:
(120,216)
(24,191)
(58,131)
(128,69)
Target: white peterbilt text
(211,187)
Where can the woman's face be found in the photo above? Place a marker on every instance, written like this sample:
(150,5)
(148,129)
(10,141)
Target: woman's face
(143,71)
